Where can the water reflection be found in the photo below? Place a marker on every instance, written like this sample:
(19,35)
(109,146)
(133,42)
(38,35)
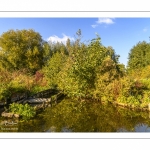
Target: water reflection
(9,125)
(138,128)
(74,116)
(53,129)
(142,128)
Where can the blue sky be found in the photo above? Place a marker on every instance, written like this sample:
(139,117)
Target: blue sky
(120,33)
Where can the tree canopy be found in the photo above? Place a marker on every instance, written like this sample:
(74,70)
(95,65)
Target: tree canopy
(78,69)
(78,72)
(21,49)
(139,56)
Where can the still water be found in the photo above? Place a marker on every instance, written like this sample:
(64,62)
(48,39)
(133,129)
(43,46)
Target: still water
(74,116)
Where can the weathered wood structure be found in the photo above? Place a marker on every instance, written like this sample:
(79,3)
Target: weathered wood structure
(39,100)
(27,95)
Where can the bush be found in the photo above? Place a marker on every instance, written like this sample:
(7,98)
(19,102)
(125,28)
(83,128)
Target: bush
(25,111)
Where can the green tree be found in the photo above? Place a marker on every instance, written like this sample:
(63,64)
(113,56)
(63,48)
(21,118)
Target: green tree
(57,47)
(53,67)
(21,49)
(139,56)
(47,52)
(88,63)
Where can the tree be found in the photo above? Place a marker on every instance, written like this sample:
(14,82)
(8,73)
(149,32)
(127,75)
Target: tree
(53,67)
(47,52)
(139,56)
(89,63)
(21,49)
(57,47)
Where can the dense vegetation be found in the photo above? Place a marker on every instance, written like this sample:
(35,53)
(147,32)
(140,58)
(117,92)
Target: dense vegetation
(25,111)
(82,71)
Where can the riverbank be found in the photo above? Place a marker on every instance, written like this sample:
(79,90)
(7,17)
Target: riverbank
(27,107)
(123,105)
(71,115)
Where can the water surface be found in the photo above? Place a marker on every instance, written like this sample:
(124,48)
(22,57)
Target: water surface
(86,116)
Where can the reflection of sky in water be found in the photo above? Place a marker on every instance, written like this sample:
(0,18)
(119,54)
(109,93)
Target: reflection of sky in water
(138,128)
(142,128)
(53,129)
(65,129)
(122,130)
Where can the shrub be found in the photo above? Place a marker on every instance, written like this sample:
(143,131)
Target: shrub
(25,111)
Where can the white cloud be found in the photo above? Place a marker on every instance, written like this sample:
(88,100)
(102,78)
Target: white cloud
(55,38)
(145,30)
(94,25)
(106,21)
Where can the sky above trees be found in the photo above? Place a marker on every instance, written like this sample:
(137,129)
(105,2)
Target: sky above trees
(120,33)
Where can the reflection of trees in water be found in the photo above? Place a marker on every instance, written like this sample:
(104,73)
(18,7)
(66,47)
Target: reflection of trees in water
(93,117)
(75,116)
(8,125)
(13,125)
(35,125)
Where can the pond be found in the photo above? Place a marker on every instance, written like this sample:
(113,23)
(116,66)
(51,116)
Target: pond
(81,116)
